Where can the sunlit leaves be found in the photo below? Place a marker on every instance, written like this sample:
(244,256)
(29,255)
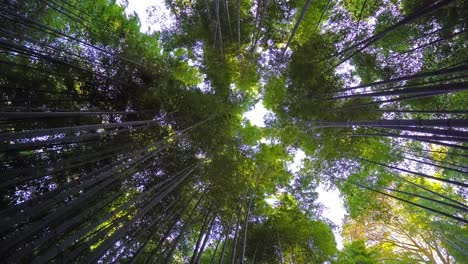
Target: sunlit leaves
(361,9)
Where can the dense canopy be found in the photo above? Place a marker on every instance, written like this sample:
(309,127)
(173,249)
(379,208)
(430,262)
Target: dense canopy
(122,144)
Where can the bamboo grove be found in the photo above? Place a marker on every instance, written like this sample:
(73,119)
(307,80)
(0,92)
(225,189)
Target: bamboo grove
(130,147)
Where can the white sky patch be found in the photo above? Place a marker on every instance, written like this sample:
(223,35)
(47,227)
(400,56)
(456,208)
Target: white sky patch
(297,163)
(345,67)
(271,200)
(257,114)
(333,210)
(162,16)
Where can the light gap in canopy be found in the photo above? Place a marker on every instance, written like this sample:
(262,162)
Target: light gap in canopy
(333,205)
(256,116)
(162,18)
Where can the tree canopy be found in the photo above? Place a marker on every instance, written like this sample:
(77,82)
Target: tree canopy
(123,145)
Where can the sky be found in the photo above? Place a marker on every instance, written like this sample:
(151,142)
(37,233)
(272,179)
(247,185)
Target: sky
(162,17)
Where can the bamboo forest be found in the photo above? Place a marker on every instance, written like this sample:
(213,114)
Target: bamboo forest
(234,131)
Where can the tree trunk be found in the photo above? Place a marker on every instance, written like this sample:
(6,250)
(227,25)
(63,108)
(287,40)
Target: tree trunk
(63,211)
(416,137)
(429,190)
(435,90)
(71,130)
(435,131)
(415,111)
(200,236)
(323,14)
(445,123)
(57,233)
(215,250)
(438,166)
(421,12)
(438,161)
(280,248)
(96,179)
(121,231)
(170,255)
(155,226)
(461,184)
(236,236)
(219,29)
(238,24)
(226,7)
(296,26)
(398,99)
(430,43)
(461,208)
(415,204)
(242,261)
(223,249)
(32,115)
(458,69)
(205,241)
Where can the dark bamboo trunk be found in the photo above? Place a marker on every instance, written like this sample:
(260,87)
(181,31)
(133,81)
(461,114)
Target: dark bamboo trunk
(441,72)
(296,25)
(412,203)
(461,184)
(199,240)
(236,236)
(170,254)
(417,14)
(205,241)
(247,214)
(424,90)
(461,208)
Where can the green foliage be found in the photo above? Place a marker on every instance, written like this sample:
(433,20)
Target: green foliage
(275,93)
(307,81)
(395,38)
(307,29)
(117,145)
(357,253)
(288,233)
(361,9)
